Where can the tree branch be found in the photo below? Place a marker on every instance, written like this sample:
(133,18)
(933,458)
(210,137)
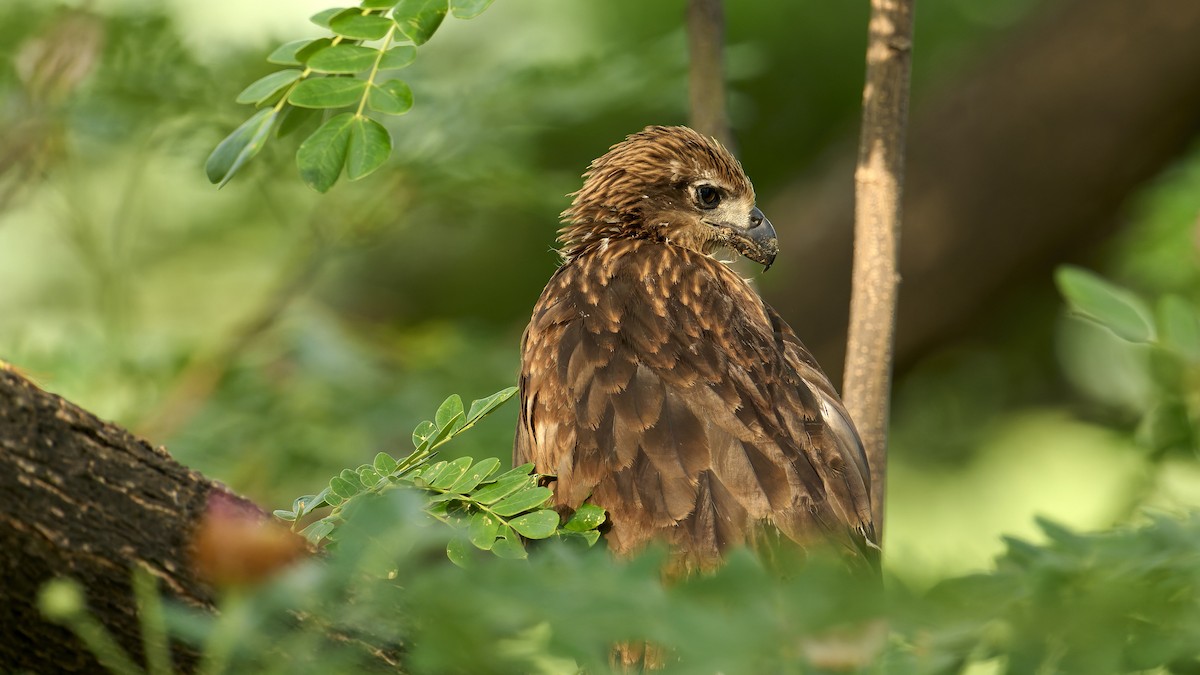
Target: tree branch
(706,74)
(879,181)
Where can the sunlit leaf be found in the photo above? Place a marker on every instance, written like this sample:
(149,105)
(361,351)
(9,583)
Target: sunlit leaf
(322,155)
(419,19)
(328,92)
(482,530)
(379,4)
(536,525)
(468,9)
(370,145)
(391,98)
(283,514)
(359,26)
(1105,303)
(368,476)
(239,147)
(525,500)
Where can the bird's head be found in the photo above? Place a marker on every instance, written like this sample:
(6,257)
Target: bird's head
(669,184)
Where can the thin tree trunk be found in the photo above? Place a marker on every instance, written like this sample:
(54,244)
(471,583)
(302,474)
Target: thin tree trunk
(706,70)
(879,182)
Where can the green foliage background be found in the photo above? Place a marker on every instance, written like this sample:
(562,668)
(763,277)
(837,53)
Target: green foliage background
(271,337)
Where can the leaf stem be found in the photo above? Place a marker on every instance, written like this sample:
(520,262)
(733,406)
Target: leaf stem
(383,47)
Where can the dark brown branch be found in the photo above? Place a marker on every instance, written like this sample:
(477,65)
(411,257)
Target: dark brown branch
(879,181)
(706,74)
(84,498)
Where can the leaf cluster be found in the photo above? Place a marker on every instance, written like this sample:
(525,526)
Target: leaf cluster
(349,70)
(491,510)
(1169,332)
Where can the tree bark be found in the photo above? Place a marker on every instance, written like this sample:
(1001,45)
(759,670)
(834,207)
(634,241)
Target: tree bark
(1022,162)
(879,181)
(85,499)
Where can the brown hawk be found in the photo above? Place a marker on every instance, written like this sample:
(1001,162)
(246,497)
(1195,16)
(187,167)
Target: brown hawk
(657,384)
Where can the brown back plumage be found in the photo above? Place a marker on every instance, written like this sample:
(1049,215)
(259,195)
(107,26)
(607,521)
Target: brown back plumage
(656,382)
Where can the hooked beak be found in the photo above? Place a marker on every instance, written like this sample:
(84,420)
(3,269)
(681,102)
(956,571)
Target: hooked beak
(756,240)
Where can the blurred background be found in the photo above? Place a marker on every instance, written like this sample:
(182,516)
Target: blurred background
(270,336)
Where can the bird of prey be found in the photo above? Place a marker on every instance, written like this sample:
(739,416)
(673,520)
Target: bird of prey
(656,383)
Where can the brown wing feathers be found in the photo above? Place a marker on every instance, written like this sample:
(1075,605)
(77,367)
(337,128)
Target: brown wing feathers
(658,385)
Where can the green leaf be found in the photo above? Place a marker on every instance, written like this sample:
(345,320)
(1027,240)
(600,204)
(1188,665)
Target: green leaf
(524,470)
(449,409)
(508,545)
(1180,327)
(459,552)
(424,431)
(292,119)
(351,477)
(343,59)
(284,515)
(370,146)
(321,499)
(525,500)
(398,57)
(446,431)
(331,498)
(286,53)
(390,98)
(368,476)
(1111,306)
(468,9)
(419,19)
(475,475)
(482,530)
(385,464)
(322,154)
(502,488)
(379,4)
(327,92)
(305,53)
(318,530)
(239,147)
(483,406)
(589,536)
(586,517)
(323,17)
(359,26)
(536,525)
(431,474)
(303,505)
(453,471)
(343,488)
(267,87)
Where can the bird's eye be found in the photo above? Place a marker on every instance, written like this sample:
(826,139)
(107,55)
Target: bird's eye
(708,196)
